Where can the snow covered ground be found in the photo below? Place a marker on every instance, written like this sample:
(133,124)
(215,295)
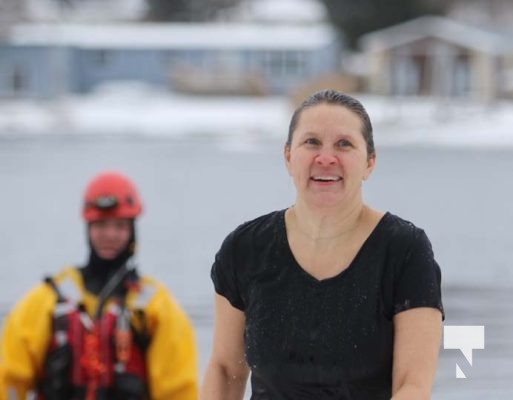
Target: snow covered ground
(141,110)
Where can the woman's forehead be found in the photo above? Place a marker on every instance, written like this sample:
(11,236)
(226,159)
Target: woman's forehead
(329,108)
(320,117)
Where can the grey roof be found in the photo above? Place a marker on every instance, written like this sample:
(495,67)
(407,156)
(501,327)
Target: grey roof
(176,35)
(437,27)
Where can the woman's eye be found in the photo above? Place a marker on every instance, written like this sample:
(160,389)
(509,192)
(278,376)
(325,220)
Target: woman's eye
(344,143)
(311,141)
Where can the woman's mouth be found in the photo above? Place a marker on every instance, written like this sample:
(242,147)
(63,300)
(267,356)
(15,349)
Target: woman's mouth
(326,178)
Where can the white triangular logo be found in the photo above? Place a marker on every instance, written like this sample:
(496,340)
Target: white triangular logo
(459,372)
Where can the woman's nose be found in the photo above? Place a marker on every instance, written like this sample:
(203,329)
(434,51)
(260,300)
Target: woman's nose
(326,156)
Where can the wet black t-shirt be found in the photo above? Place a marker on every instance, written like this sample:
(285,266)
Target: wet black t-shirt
(324,339)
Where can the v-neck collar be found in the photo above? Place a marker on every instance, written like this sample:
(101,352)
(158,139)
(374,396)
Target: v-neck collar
(353,264)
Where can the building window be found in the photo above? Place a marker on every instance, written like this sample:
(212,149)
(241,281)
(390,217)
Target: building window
(294,63)
(405,76)
(102,57)
(284,63)
(462,76)
(18,80)
(228,61)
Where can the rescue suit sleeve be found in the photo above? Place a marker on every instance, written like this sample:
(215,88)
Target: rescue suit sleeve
(171,355)
(3,394)
(25,337)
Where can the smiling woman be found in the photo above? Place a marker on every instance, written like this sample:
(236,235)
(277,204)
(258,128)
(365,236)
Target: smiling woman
(327,156)
(329,298)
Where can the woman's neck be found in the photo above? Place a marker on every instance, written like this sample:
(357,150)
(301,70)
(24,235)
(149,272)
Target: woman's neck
(328,224)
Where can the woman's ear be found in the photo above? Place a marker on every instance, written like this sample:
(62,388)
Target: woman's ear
(371,162)
(286,156)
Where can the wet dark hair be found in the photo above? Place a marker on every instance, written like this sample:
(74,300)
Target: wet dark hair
(330,96)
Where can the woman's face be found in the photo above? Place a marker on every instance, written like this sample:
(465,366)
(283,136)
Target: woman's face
(110,236)
(327,157)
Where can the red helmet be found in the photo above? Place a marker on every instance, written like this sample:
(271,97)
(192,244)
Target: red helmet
(110,195)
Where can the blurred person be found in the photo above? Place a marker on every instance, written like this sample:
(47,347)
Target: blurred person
(101,331)
(328,298)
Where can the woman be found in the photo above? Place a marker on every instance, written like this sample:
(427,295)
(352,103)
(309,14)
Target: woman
(328,299)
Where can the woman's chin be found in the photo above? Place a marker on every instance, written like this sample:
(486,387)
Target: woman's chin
(325,200)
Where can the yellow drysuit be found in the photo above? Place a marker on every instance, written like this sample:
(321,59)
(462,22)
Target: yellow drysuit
(171,358)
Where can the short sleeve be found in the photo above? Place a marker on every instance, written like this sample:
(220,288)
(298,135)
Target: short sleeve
(418,281)
(224,273)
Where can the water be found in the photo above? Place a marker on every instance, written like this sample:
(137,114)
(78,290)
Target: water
(196,191)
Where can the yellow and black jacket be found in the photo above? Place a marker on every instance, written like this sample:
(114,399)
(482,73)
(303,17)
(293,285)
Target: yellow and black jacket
(170,354)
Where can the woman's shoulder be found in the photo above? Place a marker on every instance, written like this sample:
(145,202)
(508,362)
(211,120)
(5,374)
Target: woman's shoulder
(254,234)
(401,232)
(399,226)
(260,226)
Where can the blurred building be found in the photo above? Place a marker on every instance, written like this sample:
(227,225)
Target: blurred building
(47,60)
(437,56)
(241,55)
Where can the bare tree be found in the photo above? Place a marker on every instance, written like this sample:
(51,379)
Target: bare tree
(11,11)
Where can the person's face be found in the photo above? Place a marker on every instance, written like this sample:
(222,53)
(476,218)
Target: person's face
(110,236)
(328,155)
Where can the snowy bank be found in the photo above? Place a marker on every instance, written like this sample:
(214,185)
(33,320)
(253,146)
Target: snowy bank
(141,110)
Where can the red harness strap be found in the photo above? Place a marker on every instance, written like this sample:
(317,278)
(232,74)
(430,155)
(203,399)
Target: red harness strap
(101,350)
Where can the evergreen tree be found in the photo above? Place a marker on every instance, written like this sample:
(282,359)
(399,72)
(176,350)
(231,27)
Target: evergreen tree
(355,18)
(186,10)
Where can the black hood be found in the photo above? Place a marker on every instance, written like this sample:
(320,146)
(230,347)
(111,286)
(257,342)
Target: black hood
(98,271)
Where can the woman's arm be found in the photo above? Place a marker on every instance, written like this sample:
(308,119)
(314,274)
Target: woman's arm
(227,371)
(416,346)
